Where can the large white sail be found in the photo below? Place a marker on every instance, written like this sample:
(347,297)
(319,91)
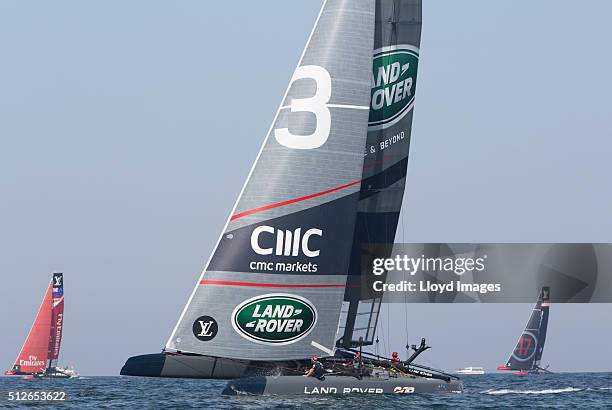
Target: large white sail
(273,287)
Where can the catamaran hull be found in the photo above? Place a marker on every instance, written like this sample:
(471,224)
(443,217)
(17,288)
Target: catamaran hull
(338,385)
(201,367)
(184,366)
(53,376)
(40,375)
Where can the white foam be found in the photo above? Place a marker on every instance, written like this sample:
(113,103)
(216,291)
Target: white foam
(544,391)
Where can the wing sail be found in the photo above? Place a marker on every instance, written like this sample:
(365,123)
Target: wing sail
(33,357)
(527,353)
(394,74)
(274,285)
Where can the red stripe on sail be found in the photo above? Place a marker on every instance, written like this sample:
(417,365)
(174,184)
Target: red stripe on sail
(272,285)
(292,201)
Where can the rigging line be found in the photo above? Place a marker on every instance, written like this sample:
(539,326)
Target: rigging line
(376,347)
(430,362)
(404,278)
(388,330)
(383,329)
(369,240)
(382,336)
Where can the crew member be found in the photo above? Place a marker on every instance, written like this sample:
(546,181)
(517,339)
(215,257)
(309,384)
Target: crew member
(356,362)
(316,370)
(395,360)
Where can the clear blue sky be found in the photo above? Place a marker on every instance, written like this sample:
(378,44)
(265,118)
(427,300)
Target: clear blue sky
(127,129)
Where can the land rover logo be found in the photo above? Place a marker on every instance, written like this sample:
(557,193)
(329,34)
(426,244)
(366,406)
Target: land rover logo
(275,319)
(205,328)
(394,75)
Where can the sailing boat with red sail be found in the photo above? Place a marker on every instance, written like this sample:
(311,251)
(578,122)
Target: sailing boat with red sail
(40,352)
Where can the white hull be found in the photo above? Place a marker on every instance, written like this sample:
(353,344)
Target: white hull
(471,371)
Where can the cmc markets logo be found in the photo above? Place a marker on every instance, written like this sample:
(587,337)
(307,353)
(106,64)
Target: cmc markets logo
(526,347)
(205,328)
(394,76)
(274,319)
(288,243)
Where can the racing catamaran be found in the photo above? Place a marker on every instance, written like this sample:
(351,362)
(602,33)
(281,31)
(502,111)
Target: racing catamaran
(40,352)
(527,355)
(283,282)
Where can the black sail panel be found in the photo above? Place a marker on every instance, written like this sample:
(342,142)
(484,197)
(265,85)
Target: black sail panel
(545,308)
(527,353)
(394,74)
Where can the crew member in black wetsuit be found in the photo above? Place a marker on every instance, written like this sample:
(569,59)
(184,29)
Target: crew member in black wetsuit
(316,370)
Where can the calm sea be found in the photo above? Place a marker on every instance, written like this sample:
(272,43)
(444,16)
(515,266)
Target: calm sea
(563,391)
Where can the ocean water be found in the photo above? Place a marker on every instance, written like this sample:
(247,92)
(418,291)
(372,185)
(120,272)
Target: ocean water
(496,391)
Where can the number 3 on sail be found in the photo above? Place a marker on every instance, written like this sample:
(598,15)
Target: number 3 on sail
(316,104)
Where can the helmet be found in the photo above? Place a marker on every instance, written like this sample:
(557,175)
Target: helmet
(394,354)
(314,358)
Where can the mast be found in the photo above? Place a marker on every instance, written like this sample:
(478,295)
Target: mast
(545,309)
(51,332)
(57,316)
(397,37)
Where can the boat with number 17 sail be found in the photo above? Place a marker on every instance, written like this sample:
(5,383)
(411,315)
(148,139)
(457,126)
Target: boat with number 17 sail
(40,352)
(281,292)
(527,354)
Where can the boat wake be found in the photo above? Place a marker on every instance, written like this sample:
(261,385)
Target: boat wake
(544,391)
(230,389)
